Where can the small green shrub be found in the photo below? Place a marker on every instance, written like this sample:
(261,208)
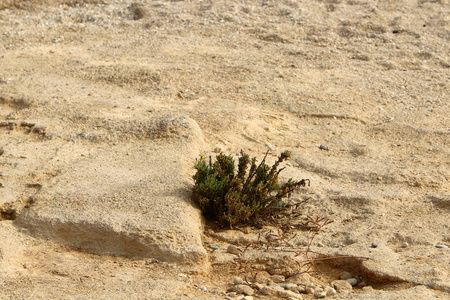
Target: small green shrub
(239,197)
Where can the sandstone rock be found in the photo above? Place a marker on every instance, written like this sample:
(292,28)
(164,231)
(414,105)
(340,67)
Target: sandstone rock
(113,202)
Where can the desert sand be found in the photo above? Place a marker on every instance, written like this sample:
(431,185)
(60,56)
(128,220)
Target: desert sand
(105,106)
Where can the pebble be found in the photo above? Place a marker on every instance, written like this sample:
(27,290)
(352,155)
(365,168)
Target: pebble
(238,280)
(203,288)
(214,247)
(263,289)
(323,147)
(300,278)
(289,295)
(259,286)
(373,245)
(345,275)
(242,297)
(290,286)
(301,289)
(330,291)
(352,281)
(441,246)
(243,289)
(260,267)
(342,285)
(320,294)
(275,288)
(309,290)
(404,245)
(233,250)
(262,277)
(367,288)
(270,146)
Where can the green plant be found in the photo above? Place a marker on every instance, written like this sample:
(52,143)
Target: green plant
(239,197)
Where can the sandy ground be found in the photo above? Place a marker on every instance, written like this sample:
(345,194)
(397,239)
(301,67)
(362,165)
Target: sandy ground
(366,80)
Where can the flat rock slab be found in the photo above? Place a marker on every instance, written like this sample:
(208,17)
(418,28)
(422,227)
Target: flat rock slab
(128,199)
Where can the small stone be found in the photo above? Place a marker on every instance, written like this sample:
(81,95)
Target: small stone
(258,286)
(367,288)
(345,275)
(404,245)
(373,245)
(248,298)
(244,289)
(289,295)
(270,146)
(342,285)
(270,282)
(262,277)
(323,147)
(238,280)
(330,291)
(278,278)
(310,290)
(320,294)
(214,247)
(260,267)
(352,281)
(217,150)
(276,292)
(275,288)
(203,288)
(264,290)
(290,286)
(301,289)
(441,246)
(233,250)
(300,278)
